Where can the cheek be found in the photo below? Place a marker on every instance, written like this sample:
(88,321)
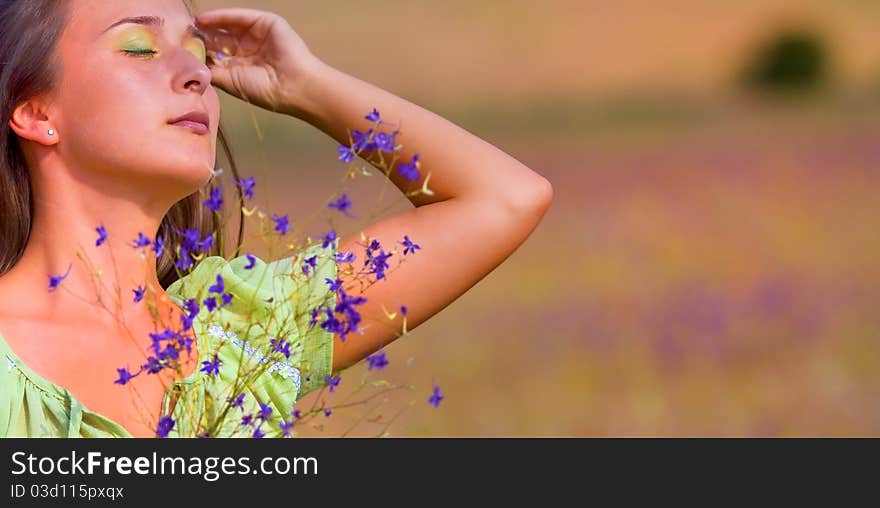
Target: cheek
(100,100)
(212,99)
(211,103)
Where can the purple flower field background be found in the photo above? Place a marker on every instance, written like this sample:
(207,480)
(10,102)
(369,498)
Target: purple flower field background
(709,266)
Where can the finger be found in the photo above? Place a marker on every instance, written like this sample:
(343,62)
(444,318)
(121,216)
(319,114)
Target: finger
(221,40)
(222,79)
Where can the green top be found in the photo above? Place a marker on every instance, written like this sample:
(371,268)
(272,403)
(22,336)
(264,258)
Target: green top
(269,300)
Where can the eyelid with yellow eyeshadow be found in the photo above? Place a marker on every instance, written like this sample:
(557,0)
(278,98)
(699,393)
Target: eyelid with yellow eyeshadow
(133,39)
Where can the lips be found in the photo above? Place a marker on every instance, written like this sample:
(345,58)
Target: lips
(197,121)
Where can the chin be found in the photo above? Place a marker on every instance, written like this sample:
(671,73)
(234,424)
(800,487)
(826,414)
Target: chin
(200,175)
(184,179)
(192,167)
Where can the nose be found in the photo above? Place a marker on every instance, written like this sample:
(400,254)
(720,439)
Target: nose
(194,75)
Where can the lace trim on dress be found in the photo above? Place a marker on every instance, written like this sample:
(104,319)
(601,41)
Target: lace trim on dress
(284,369)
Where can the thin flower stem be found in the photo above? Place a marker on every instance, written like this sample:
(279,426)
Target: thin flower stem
(371,397)
(362,418)
(388,425)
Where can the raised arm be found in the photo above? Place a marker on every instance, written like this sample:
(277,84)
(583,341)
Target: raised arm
(484,204)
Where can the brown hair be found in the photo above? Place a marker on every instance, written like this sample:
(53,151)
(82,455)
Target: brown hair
(29,33)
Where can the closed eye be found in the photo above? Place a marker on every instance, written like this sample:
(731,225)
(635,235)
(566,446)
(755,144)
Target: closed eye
(140,52)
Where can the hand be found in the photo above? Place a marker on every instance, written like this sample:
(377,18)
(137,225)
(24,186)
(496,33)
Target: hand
(263,60)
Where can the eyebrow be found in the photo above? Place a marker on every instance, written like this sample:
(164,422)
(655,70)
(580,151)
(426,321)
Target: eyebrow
(156,21)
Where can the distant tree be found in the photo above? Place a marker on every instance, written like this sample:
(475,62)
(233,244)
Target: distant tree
(790,61)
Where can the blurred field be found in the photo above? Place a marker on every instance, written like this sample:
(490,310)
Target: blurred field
(709,265)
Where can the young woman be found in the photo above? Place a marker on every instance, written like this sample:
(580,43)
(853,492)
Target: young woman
(109,119)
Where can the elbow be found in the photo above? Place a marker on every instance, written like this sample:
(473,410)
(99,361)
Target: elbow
(531,199)
(546,197)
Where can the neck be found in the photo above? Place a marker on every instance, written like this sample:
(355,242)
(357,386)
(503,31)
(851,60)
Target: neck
(100,280)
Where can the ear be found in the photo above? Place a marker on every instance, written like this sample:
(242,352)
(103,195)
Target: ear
(30,120)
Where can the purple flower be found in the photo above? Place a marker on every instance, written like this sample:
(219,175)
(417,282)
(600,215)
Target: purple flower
(282,224)
(211,366)
(55,280)
(185,343)
(217,288)
(344,306)
(239,401)
(247,186)
(374,246)
(436,397)
(377,361)
(409,245)
(328,239)
(332,382)
(285,428)
(411,170)
(153,365)
(380,264)
(215,202)
(191,307)
(102,235)
(210,303)
(345,257)
(345,154)
(385,142)
(403,309)
(158,338)
(140,241)
(309,262)
(265,411)
(327,412)
(247,419)
(227,297)
(184,262)
(342,204)
(169,353)
(331,324)
(206,243)
(190,244)
(334,284)
(166,423)
(125,376)
(189,239)
(362,140)
(374,116)
(252,261)
(296,413)
(186,322)
(138,294)
(258,433)
(280,345)
(158,246)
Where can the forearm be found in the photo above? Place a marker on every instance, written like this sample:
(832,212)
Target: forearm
(461,165)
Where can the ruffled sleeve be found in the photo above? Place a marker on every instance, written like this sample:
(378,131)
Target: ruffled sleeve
(283,299)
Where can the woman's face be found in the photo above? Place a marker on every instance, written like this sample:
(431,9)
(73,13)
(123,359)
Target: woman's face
(120,87)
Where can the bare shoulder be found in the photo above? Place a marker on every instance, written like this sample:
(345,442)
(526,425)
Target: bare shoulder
(19,299)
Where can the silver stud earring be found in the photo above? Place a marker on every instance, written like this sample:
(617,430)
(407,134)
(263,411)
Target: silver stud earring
(51,132)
